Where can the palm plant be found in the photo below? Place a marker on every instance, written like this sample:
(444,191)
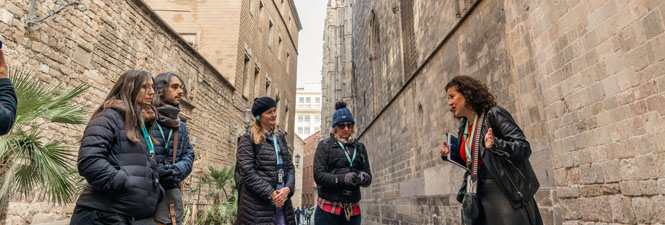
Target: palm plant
(224,195)
(28,159)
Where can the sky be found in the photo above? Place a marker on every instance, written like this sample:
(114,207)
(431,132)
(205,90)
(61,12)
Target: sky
(310,39)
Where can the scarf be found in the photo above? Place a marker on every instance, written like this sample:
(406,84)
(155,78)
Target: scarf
(168,116)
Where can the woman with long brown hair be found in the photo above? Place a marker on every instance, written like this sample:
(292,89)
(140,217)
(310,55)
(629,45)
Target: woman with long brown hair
(495,150)
(116,156)
(266,176)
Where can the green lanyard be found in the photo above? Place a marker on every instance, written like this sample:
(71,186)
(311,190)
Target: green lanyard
(166,144)
(277,150)
(347,154)
(468,141)
(148,140)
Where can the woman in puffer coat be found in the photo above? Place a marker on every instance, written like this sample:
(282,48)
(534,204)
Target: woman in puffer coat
(115,157)
(266,173)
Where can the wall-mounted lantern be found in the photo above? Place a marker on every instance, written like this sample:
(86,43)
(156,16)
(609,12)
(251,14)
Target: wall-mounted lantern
(35,23)
(297,160)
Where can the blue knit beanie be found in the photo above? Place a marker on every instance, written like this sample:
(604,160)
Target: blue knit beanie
(342,114)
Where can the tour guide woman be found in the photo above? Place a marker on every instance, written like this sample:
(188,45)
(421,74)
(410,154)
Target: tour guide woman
(506,182)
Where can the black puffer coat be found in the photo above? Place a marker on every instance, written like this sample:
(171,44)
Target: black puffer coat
(330,166)
(121,174)
(258,172)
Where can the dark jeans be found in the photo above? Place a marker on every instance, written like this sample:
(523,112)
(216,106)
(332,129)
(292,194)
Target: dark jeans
(89,216)
(325,218)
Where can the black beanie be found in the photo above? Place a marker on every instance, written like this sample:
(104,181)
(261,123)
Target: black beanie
(262,104)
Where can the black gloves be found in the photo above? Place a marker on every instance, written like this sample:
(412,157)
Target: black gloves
(364,179)
(169,176)
(350,179)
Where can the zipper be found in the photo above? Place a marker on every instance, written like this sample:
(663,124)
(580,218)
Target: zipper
(514,186)
(519,171)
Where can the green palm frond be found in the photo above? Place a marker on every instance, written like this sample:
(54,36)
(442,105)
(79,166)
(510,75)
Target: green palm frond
(30,161)
(47,166)
(221,212)
(38,99)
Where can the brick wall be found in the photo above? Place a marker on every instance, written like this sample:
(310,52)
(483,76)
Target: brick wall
(583,79)
(94,47)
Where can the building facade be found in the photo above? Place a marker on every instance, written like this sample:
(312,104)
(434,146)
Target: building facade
(297,154)
(308,110)
(337,71)
(583,79)
(253,42)
(309,193)
(94,48)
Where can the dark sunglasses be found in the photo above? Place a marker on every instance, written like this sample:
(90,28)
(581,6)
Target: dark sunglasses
(344,125)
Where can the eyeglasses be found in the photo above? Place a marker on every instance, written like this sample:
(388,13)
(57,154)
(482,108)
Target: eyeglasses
(344,125)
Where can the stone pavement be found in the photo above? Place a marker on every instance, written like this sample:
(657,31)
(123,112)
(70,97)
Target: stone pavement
(59,222)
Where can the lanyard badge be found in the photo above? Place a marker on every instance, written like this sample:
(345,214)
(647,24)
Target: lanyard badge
(347,154)
(151,148)
(280,171)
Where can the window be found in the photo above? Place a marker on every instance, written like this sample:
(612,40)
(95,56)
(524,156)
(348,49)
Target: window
(270,33)
(316,129)
(308,100)
(307,119)
(301,99)
(257,82)
(245,71)
(300,119)
(306,130)
(279,47)
(261,8)
(300,130)
(318,100)
(267,87)
(288,63)
(317,119)
(190,38)
(249,6)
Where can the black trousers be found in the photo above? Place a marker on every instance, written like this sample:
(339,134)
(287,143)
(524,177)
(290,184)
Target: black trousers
(325,218)
(498,210)
(89,216)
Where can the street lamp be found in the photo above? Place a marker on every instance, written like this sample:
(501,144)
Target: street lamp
(247,118)
(297,160)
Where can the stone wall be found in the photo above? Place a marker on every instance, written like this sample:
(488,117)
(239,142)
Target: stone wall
(336,83)
(94,47)
(583,79)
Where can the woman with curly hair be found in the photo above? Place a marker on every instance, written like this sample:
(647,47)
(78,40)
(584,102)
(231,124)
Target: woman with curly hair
(500,172)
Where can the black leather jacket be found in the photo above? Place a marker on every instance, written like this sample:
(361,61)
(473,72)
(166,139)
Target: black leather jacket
(508,160)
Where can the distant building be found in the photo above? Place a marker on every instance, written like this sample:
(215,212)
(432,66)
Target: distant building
(309,194)
(308,110)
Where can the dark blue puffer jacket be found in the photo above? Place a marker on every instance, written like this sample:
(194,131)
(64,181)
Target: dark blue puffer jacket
(185,154)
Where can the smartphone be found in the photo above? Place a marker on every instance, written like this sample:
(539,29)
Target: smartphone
(0,44)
